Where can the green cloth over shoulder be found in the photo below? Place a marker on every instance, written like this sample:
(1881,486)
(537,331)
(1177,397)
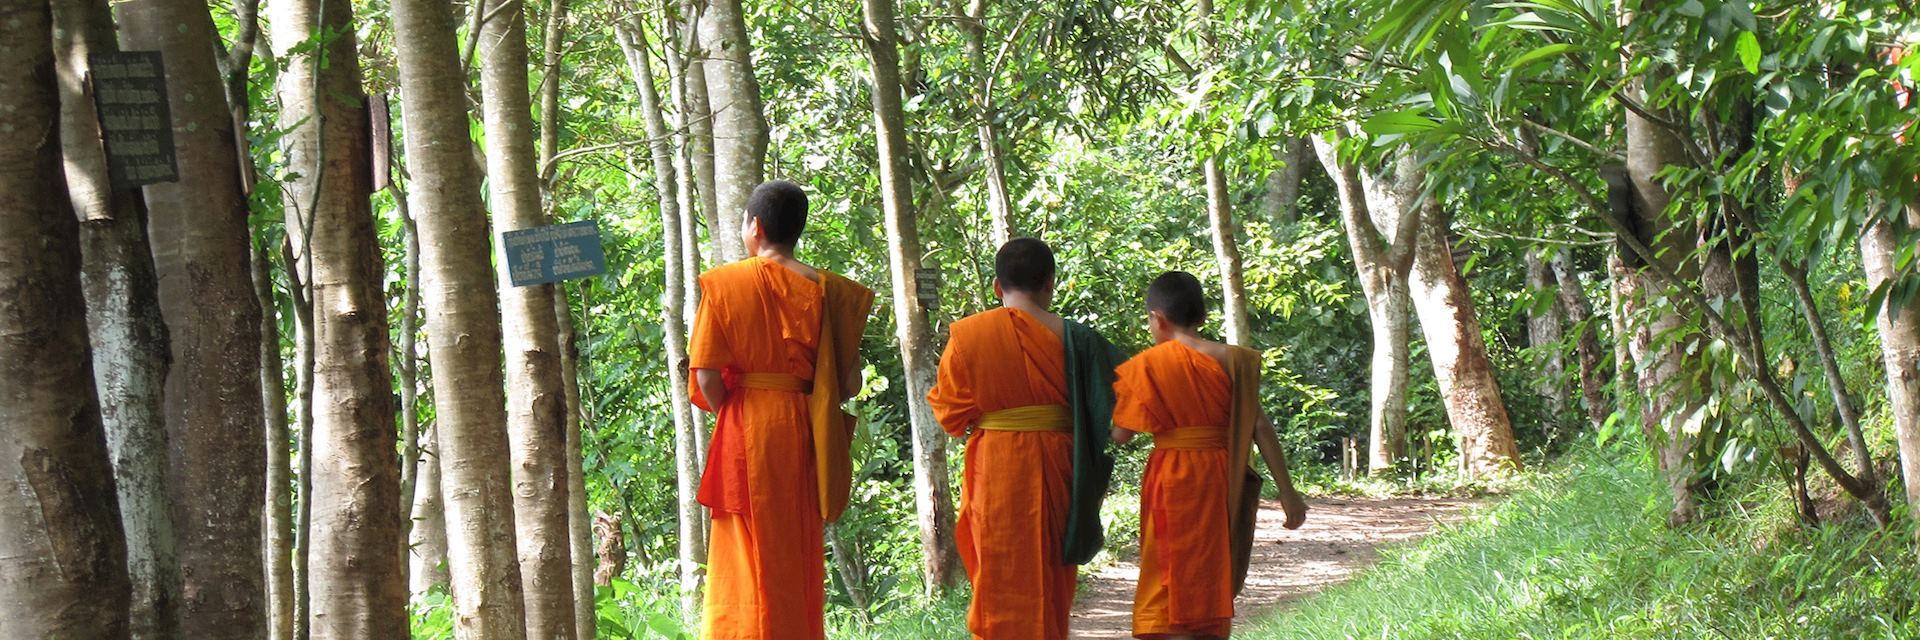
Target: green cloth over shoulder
(1090,361)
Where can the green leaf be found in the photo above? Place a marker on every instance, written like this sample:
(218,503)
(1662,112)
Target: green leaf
(1748,46)
(1401,122)
(1541,52)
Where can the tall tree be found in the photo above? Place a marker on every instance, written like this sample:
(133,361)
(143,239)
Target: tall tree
(278,501)
(1546,331)
(1281,202)
(933,504)
(355,577)
(692,544)
(1458,351)
(62,554)
(999,201)
(427,541)
(1579,315)
(696,118)
(733,92)
(463,326)
(536,404)
(201,253)
(129,337)
(1370,211)
(1226,247)
(1899,323)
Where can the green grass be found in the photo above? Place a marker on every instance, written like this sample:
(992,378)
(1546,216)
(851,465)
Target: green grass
(1583,551)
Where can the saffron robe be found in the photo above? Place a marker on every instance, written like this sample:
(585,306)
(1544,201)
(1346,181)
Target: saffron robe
(1014,490)
(760,324)
(1183,398)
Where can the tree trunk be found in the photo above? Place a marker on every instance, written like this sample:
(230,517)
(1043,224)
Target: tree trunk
(129,338)
(355,580)
(932,501)
(463,327)
(62,552)
(408,367)
(427,542)
(1367,209)
(1459,352)
(692,542)
(999,201)
(201,254)
(697,117)
(278,549)
(1579,314)
(1899,323)
(536,404)
(612,551)
(1281,204)
(579,518)
(1226,252)
(1546,333)
(303,441)
(1669,397)
(694,166)
(740,153)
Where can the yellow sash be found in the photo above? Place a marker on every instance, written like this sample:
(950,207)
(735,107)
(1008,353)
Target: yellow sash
(1191,438)
(1030,418)
(775,382)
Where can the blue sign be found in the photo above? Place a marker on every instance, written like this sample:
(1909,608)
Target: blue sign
(553,253)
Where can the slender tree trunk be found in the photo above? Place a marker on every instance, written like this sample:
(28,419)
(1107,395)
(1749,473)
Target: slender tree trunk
(408,367)
(1546,334)
(1830,366)
(692,544)
(427,542)
(356,583)
(1459,352)
(463,327)
(697,117)
(201,254)
(1383,263)
(129,337)
(932,501)
(1281,204)
(62,552)
(298,270)
(695,189)
(1226,253)
(999,200)
(579,518)
(739,125)
(278,549)
(1579,314)
(1899,344)
(536,404)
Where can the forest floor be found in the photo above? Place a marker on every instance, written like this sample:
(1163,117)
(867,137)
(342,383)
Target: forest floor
(1341,537)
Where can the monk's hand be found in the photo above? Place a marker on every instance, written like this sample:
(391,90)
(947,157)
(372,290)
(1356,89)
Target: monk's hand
(1296,507)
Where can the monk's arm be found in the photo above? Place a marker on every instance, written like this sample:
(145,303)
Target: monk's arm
(1290,499)
(712,385)
(1122,436)
(850,379)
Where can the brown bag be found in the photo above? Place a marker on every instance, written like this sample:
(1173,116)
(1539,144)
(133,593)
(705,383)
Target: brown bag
(1243,493)
(1245,515)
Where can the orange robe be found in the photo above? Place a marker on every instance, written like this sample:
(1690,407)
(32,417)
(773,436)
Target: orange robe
(1014,490)
(766,571)
(1182,397)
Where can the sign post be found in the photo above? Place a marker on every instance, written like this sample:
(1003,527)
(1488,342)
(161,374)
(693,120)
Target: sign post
(130,95)
(543,255)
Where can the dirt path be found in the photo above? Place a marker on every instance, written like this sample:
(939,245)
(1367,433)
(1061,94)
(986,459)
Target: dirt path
(1342,536)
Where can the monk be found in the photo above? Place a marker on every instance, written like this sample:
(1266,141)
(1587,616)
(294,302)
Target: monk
(773,354)
(1181,393)
(1007,385)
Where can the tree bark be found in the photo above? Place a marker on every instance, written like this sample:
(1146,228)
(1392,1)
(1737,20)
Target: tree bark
(536,404)
(694,166)
(1383,264)
(697,118)
(278,549)
(1899,343)
(129,337)
(1226,252)
(427,542)
(62,551)
(932,502)
(692,543)
(463,327)
(356,582)
(740,153)
(999,200)
(408,367)
(201,254)
(1281,204)
(297,274)
(579,518)
(1546,334)
(1579,314)
(1459,352)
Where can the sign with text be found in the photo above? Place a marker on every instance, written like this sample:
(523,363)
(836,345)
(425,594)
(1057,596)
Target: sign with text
(928,281)
(553,253)
(130,93)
